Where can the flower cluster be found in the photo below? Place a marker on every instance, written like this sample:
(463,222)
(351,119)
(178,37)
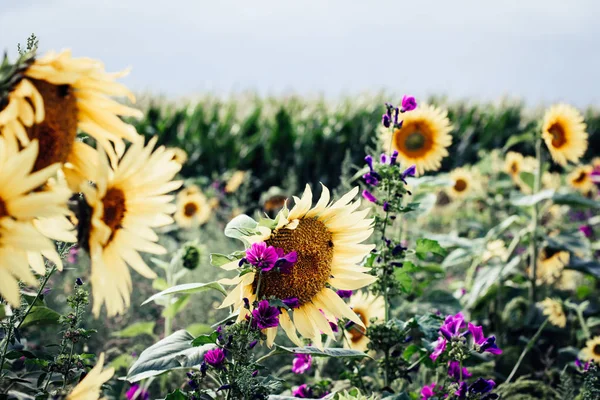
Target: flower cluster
(266,258)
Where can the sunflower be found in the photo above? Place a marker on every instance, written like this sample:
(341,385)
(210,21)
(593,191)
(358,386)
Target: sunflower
(193,210)
(464,183)
(592,350)
(423,138)
(581,179)
(126,203)
(554,310)
(550,265)
(22,243)
(235,181)
(494,249)
(327,241)
(368,307)
(179,155)
(89,388)
(564,132)
(514,164)
(551,180)
(58,95)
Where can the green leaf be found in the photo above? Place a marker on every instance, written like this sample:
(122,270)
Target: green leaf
(199,329)
(173,309)
(516,139)
(530,200)
(2,312)
(176,395)
(171,353)
(456,257)
(528,179)
(501,227)
(205,339)
(188,288)
(216,259)
(403,276)
(240,226)
(575,200)
(425,246)
(122,361)
(160,284)
(136,329)
(588,267)
(41,315)
(327,352)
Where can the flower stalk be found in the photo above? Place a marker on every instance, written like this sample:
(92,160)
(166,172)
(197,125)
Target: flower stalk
(528,347)
(533,245)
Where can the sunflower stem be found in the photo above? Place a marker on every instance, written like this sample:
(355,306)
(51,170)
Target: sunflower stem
(534,227)
(584,327)
(37,296)
(528,347)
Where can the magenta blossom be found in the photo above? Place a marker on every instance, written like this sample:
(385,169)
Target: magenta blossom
(345,294)
(586,230)
(303,391)
(452,326)
(454,371)
(262,256)
(285,262)
(137,393)
(427,391)
(409,103)
(481,343)
(265,316)
(215,357)
(369,196)
(302,363)
(73,255)
(440,346)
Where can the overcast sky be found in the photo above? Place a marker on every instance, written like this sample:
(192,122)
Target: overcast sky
(539,50)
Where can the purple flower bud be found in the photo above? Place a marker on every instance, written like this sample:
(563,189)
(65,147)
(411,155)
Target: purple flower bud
(193,384)
(242,261)
(78,281)
(252,344)
(409,103)
(369,161)
(345,294)
(254,373)
(396,112)
(586,230)
(291,302)
(386,206)
(394,157)
(385,120)
(370,179)
(246,303)
(203,368)
(368,196)
(224,387)
(410,171)
(383,158)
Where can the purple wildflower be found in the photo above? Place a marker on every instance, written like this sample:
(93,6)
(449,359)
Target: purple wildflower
(368,196)
(345,294)
(586,230)
(291,302)
(285,262)
(265,316)
(137,393)
(385,120)
(410,171)
(452,325)
(301,363)
(254,373)
(582,366)
(303,392)
(409,103)
(73,255)
(369,161)
(396,113)
(215,357)
(262,256)
(371,179)
(482,386)
(383,158)
(428,391)
(79,282)
(252,344)
(386,206)
(461,392)
(481,343)
(394,157)
(454,371)
(440,346)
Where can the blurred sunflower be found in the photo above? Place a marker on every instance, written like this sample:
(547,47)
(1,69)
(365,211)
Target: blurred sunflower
(57,95)
(22,244)
(494,249)
(126,203)
(368,307)
(591,352)
(551,180)
(179,155)
(327,241)
(423,138)
(581,179)
(514,164)
(563,130)
(464,183)
(235,181)
(90,387)
(550,265)
(193,210)
(554,310)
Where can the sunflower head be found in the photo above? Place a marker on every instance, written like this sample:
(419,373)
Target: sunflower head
(369,308)
(193,209)
(464,182)
(554,310)
(581,179)
(235,181)
(591,352)
(325,241)
(565,133)
(550,265)
(179,155)
(422,139)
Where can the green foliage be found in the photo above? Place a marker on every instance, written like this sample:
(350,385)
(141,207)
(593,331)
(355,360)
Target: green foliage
(136,329)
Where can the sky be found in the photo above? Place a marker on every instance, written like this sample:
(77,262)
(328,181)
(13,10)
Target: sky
(540,51)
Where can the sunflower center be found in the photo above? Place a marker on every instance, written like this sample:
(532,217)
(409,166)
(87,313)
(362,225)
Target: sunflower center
(597,350)
(460,185)
(314,246)
(190,209)
(114,210)
(56,134)
(514,167)
(581,177)
(356,331)
(558,135)
(3,209)
(415,141)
